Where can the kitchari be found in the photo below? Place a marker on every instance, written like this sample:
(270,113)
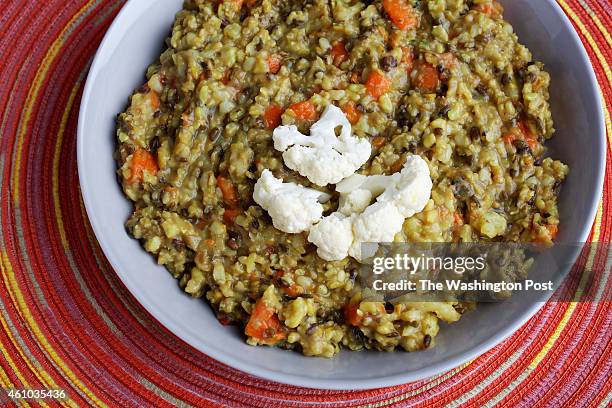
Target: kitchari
(273,137)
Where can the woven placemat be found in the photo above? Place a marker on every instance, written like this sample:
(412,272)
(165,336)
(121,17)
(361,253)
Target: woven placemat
(68,323)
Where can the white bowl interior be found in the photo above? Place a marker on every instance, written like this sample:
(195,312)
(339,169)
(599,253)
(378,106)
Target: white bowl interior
(135,40)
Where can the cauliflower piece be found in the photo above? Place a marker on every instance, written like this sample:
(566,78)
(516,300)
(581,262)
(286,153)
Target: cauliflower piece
(333,237)
(398,197)
(338,236)
(323,157)
(292,207)
(409,190)
(354,202)
(380,222)
(357,192)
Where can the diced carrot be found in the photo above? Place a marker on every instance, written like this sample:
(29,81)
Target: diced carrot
(272,116)
(274,63)
(524,128)
(427,78)
(509,138)
(532,143)
(528,135)
(377,84)
(154,98)
(142,160)
(522,132)
(226,77)
(408,58)
(304,110)
(293,290)
(448,60)
(230,196)
(354,78)
(201,224)
(401,13)
(397,166)
(379,142)
(458,219)
(491,9)
(352,313)
(351,112)
(339,53)
(263,325)
(553,231)
(210,243)
(230,214)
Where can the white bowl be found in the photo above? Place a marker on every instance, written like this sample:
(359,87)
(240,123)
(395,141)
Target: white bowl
(135,40)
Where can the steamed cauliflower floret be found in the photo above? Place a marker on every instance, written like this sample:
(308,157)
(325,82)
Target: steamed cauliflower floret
(292,207)
(333,237)
(323,157)
(398,197)
(354,202)
(380,222)
(409,190)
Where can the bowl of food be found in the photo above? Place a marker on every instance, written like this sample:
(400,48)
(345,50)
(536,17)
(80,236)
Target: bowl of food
(233,168)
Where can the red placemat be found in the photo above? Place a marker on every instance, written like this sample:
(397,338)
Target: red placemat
(67,321)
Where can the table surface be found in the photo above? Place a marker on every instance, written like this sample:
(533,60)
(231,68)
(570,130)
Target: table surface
(68,323)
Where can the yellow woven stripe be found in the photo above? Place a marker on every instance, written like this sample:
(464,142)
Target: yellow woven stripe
(32,96)
(34,90)
(587,34)
(553,338)
(6,384)
(11,283)
(5,381)
(601,58)
(597,227)
(56,163)
(40,373)
(572,306)
(56,159)
(45,379)
(597,21)
(13,367)
(608,122)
